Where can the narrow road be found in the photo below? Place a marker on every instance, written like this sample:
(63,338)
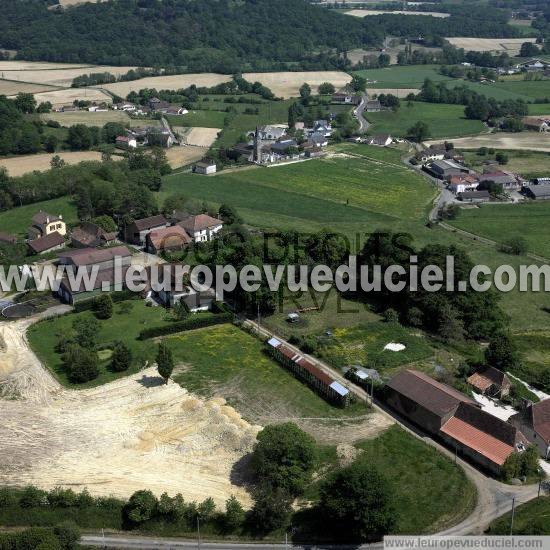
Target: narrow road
(358,112)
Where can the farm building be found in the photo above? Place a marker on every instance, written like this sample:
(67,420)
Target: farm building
(382,140)
(506,179)
(475,196)
(137,231)
(126,142)
(91,235)
(373,106)
(205,168)
(345,99)
(451,415)
(103,258)
(314,377)
(52,241)
(431,153)
(462,183)
(490,381)
(534,422)
(538,192)
(167,238)
(444,169)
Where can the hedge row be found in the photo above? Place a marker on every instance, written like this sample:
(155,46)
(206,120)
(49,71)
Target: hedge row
(116,296)
(199,321)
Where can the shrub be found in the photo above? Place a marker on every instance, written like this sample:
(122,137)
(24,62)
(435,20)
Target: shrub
(141,507)
(32,497)
(103,306)
(121,358)
(198,321)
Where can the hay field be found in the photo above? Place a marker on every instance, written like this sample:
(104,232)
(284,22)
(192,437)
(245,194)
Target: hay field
(61,76)
(11,88)
(202,137)
(287,84)
(510,45)
(172,82)
(17,166)
(399,92)
(182,156)
(530,141)
(133,433)
(38,65)
(67,96)
(364,13)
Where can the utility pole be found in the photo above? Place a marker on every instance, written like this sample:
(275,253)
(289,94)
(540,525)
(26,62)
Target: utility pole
(198,533)
(512,518)
(258,315)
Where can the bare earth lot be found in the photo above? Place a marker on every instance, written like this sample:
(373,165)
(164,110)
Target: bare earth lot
(533,141)
(287,84)
(17,166)
(59,98)
(181,156)
(135,433)
(364,13)
(202,137)
(510,45)
(172,82)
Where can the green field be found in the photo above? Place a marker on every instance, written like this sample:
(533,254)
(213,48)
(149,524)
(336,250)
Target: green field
(402,76)
(500,222)
(358,193)
(125,327)
(443,120)
(532,518)
(17,220)
(224,360)
(364,345)
(202,119)
(534,348)
(431,492)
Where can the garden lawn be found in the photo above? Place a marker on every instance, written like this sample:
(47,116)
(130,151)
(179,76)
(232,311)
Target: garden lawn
(228,362)
(17,220)
(125,327)
(534,367)
(443,120)
(531,518)
(503,221)
(430,492)
(364,345)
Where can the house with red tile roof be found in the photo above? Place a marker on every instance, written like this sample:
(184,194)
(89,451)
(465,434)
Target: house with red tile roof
(534,422)
(201,228)
(167,239)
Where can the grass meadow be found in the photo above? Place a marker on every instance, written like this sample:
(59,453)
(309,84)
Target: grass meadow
(530,164)
(443,120)
(532,518)
(500,222)
(225,360)
(17,220)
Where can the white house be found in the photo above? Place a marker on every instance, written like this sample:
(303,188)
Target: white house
(205,168)
(126,142)
(201,228)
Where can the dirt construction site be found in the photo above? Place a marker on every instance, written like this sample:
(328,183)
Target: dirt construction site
(134,433)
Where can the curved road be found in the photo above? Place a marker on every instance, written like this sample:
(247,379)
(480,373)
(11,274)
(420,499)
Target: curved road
(358,112)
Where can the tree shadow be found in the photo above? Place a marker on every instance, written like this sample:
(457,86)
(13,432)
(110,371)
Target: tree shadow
(241,474)
(151,381)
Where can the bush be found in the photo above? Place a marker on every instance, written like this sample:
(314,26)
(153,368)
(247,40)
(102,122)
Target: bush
(199,321)
(141,507)
(103,306)
(121,358)
(82,364)
(32,497)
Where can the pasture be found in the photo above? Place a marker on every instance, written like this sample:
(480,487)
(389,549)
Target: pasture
(402,76)
(12,88)
(17,166)
(443,120)
(500,222)
(17,220)
(287,84)
(529,164)
(95,119)
(341,191)
(509,45)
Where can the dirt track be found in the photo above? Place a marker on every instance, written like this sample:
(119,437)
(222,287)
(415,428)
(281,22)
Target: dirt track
(134,433)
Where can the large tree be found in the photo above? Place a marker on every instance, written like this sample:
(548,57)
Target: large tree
(358,501)
(165,361)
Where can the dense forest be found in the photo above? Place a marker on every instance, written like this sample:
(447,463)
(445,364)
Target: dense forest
(219,35)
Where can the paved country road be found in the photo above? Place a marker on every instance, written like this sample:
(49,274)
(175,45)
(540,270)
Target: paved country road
(358,112)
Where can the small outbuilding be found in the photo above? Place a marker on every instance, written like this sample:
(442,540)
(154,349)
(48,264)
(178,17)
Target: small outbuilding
(205,168)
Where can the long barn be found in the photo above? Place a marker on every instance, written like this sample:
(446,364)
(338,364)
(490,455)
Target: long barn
(314,377)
